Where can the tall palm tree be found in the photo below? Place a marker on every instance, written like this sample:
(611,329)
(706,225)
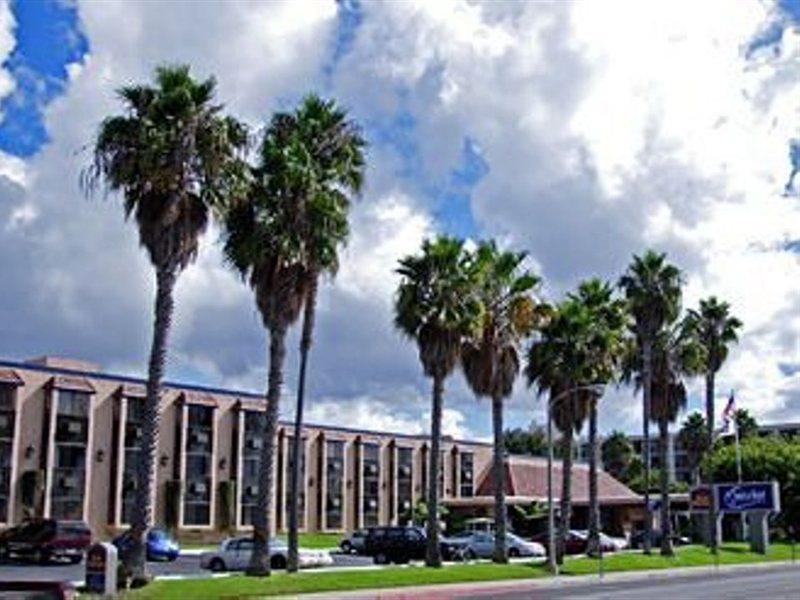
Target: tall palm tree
(436,308)
(694,439)
(490,359)
(555,364)
(175,157)
(605,345)
(262,241)
(652,287)
(675,356)
(321,163)
(716,330)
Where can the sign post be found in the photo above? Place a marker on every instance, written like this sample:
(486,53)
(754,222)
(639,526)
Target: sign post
(101,569)
(757,500)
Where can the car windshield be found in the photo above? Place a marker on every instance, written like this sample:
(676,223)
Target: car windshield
(158,534)
(512,537)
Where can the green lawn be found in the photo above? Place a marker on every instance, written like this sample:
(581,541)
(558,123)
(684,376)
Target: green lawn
(687,556)
(239,586)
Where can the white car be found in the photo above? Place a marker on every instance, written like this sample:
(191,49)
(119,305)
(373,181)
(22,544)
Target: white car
(234,555)
(480,544)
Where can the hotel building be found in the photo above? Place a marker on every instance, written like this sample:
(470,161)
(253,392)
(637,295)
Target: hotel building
(70,442)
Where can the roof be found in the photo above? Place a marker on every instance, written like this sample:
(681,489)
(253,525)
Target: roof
(526,477)
(10,377)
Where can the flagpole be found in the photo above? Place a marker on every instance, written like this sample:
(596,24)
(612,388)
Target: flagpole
(742,515)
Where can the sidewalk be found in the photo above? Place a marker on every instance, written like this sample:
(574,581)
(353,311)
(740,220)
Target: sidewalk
(490,588)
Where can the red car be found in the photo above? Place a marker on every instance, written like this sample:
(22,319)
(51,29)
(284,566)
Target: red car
(43,540)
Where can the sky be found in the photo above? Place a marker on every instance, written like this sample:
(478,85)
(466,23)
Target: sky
(582,132)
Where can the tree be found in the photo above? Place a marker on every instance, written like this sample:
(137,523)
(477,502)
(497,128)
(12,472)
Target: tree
(746,424)
(319,164)
(490,358)
(436,308)
(715,330)
(605,345)
(531,441)
(175,157)
(617,453)
(693,439)
(264,243)
(652,288)
(555,362)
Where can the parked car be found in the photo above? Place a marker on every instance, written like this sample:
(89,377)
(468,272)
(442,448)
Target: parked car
(354,543)
(400,545)
(159,544)
(480,544)
(607,543)
(234,555)
(575,543)
(44,540)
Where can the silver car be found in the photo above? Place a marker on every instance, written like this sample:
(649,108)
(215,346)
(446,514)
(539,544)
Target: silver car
(234,555)
(480,544)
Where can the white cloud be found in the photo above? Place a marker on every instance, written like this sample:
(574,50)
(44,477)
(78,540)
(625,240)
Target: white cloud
(7,43)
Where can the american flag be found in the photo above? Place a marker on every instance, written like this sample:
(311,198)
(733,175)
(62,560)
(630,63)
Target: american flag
(728,417)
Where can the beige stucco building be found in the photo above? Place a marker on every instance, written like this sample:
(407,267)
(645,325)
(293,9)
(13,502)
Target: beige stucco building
(69,441)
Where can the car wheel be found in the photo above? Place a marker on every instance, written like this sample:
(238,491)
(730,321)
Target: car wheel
(217,565)
(347,547)
(380,559)
(74,560)
(470,554)
(513,552)
(277,562)
(40,557)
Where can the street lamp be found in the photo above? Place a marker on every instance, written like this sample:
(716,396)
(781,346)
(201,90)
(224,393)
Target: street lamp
(551,517)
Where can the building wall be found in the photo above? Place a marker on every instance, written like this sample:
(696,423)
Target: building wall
(111,403)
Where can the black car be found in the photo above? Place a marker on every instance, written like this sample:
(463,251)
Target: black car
(43,540)
(398,545)
(637,539)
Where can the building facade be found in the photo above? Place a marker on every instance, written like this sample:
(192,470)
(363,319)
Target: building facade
(70,443)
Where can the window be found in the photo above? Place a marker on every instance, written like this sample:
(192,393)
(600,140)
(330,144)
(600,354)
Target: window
(405,474)
(134,420)
(69,455)
(371,471)
(334,479)
(251,462)
(301,484)
(7,417)
(198,468)
(467,473)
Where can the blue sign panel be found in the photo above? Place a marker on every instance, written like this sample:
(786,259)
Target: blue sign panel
(740,497)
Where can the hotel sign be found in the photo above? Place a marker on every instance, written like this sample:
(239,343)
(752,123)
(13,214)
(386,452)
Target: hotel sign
(741,497)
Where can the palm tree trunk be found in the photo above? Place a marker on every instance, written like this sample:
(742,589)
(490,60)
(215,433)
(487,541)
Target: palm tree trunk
(647,378)
(712,513)
(498,473)
(566,495)
(594,501)
(143,513)
(262,519)
(306,339)
(433,555)
(666,525)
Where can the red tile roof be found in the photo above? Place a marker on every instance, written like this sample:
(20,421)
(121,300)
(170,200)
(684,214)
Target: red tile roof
(527,477)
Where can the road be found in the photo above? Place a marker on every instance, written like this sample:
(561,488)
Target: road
(184,565)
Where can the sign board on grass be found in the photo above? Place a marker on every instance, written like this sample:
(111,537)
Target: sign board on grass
(742,497)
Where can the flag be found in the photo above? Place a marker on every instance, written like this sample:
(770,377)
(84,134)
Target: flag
(729,417)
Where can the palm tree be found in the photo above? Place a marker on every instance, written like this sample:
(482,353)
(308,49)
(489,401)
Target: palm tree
(605,345)
(652,288)
(617,452)
(675,356)
(694,439)
(555,364)
(175,157)
(716,330)
(321,164)
(436,308)
(490,359)
(262,241)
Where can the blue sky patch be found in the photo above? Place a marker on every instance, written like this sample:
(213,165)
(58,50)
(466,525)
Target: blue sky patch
(48,39)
